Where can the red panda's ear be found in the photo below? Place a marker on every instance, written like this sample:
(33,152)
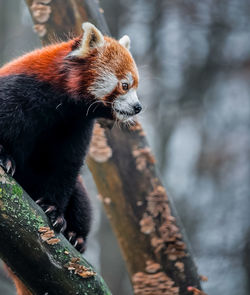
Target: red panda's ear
(125,41)
(92,38)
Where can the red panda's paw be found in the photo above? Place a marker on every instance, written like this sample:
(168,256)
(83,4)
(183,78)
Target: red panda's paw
(56,218)
(77,241)
(6,162)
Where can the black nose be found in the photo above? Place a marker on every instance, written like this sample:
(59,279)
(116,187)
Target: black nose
(137,108)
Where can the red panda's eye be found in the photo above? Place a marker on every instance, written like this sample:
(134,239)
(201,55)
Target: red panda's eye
(125,86)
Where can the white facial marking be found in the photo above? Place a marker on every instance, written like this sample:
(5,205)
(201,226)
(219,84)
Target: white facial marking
(130,79)
(103,85)
(129,99)
(124,104)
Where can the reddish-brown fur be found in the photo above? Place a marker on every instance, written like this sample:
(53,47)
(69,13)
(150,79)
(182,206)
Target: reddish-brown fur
(121,65)
(41,62)
(47,64)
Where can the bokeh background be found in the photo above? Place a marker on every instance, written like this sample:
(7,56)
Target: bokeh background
(194,63)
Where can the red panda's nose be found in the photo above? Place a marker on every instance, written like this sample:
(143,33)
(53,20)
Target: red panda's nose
(137,108)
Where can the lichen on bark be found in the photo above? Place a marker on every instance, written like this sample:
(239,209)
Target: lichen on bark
(153,284)
(99,150)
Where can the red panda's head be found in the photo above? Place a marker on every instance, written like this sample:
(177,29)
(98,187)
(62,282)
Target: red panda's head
(106,71)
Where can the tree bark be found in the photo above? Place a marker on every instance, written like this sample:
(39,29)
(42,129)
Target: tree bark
(147,227)
(142,215)
(45,261)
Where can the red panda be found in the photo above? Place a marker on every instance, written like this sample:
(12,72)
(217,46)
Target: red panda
(49,100)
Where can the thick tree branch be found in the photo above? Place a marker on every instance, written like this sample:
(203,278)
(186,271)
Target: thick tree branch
(144,220)
(46,262)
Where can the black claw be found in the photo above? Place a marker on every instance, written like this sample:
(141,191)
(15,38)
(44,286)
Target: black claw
(39,201)
(13,171)
(77,241)
(71,236)
(60,224)
(6,162)
(80,245)
(56,218)
(50,209)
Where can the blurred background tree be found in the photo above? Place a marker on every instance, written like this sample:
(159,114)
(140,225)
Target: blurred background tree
(194,63)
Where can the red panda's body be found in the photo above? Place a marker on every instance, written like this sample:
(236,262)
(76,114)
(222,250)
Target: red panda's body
(49,100)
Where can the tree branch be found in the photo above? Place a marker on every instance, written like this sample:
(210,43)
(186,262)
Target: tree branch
(146,224)
(46,262)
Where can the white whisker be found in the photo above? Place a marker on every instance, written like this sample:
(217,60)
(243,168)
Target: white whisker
(91,106)
(58,105)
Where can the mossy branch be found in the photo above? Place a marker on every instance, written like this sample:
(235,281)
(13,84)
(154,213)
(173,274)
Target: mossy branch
(45,261)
